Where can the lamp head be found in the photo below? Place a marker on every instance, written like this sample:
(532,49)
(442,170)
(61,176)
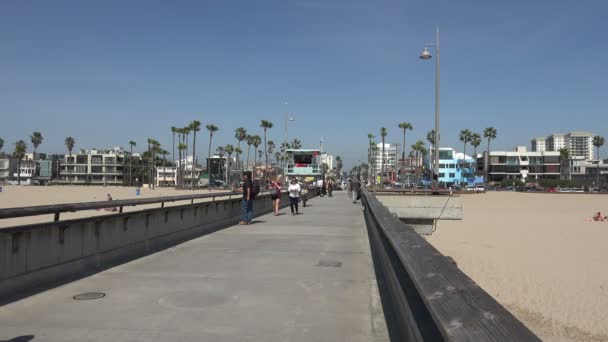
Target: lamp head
(426,54)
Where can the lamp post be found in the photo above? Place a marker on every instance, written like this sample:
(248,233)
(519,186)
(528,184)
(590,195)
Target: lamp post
(426,54)
(288,118)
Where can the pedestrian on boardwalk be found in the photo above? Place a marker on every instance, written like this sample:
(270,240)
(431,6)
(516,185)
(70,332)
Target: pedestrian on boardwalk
(305,188)
(294,195)
(330,188)
(246,201)
(356,187)
(275,195)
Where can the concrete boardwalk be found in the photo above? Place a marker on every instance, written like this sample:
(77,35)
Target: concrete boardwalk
(262,282)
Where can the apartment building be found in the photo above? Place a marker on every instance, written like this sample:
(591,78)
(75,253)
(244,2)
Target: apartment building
(555,142)
(521,164)
(455,167)
(579,145)
(166,176)
(390,156)
(8,167)
(538,144)
(97,167)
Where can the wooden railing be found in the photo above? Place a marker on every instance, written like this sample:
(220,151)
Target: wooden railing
(424,294)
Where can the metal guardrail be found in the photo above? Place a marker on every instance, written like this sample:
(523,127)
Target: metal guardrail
(57,209)
(424,294)
(410,191)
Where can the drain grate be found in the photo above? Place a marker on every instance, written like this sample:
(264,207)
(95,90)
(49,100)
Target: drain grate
(329,263)
(89,296)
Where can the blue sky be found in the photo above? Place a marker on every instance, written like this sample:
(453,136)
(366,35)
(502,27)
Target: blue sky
(106,72)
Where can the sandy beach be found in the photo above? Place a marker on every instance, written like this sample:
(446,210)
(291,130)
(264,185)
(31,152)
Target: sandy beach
(536,254)
(22,196)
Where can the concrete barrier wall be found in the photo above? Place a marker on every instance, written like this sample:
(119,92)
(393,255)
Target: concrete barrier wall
(40,255)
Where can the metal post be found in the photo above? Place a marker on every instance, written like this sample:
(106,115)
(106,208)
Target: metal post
(436,152)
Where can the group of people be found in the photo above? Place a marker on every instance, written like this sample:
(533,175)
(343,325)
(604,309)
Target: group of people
(297,192)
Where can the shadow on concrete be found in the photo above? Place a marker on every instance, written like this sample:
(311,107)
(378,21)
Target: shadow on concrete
(24,338)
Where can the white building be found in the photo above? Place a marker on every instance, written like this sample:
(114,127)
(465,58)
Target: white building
(97,167)
(188,165)
(538,144)
(166,176)
(580,145)
(390,156)
(327,159)
(555,142)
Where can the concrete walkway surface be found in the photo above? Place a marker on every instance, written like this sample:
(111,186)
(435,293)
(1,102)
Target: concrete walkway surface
(288,278)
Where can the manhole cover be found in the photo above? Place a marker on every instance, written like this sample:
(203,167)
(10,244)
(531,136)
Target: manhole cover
(329,263)
(89,296)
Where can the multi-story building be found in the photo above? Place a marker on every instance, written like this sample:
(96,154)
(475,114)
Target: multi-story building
(8,167)
(390,157)
(585,172)
(97,167)
(555,142)
(538,144)
(579,145)
(521,164)
(166,176)
(327,159)
(454,167)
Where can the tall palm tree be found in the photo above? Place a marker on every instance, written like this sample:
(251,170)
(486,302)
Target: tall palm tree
(465,137)
(36,139)
(69,144)
(490,134)
(249,143)
(238,152)
(265,124)
(564,156)
(241,135)
(405,126)
(173,130)
(257,140)
(211,128)
(383,134)
(131,144)
(153,148)
(284,147)
(229,151)
(194,126)
(164,154)
(296,144)
(20,149)
(181,147)
(277,158)
(475,142)
(430,137)
(598,141)
(1,143)
(370,154)
(270,149)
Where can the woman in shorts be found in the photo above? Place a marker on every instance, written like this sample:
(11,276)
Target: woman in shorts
(275,196)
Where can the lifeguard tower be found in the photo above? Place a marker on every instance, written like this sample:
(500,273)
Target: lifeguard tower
(304,163)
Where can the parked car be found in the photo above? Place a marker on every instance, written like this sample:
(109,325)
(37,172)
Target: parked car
(563,189)
(551,189)
(577,190)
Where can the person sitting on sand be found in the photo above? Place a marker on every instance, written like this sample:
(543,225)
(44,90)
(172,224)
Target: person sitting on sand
(599,217)
(110,199)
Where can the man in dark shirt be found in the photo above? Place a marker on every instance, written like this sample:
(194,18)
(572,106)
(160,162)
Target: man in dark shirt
(247,201)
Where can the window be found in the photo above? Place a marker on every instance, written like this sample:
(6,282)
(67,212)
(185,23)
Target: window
(452,175)
(452,166)
(445,154)
(441,174)
(442,166)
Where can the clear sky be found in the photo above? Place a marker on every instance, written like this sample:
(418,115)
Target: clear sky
(106,72)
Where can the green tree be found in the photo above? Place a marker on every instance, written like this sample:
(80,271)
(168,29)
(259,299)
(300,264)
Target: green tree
(465,137)
(131,144)
(266,125)
(257,140)
(405,126)
(490,134)
(229,151)
(174,131)
(20,149)
(69,144)
(564,156)
(1,143)
(383,134)
(270,149)
(238,152)
(211,128)
(195,126)
(181,147)
(241,135)
(36,139)
(296,144)
(475,142)
(249,143)
(598,141)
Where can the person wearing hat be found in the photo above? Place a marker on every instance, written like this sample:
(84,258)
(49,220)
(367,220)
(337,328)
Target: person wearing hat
(294,195)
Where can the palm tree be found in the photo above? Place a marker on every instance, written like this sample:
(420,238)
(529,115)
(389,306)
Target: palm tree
(265,124)
(153,148)
(36,139)
(339,164)
(249,143)
(490,134)
(181,147)
(418,149)
(257,140)
(173,130)
(20,149)
(465,137)
(564,155)
(211,129)
(405,126)
(194,126)
(598,141)
(229,151)
(164,154)
(69,144)
(296,144)
(241,135)
(131,144)
(383,133)
(370,154)
(277,158)
(238,152)
(270,149)
(1,143)
(284,147)
(475,142)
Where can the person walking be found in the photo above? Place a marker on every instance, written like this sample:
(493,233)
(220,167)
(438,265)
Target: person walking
(294,195)
(275,195)
(305,188)
(330,188)
(246,201)
(356,187)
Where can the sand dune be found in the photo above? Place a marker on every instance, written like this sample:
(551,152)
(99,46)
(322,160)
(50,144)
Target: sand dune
(536,254)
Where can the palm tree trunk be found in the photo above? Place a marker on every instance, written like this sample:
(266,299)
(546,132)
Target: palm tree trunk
(193,158)
(19,171)
(597,180)
(164,170)
(130,164)
(209,156)
(248,150)
(265,151)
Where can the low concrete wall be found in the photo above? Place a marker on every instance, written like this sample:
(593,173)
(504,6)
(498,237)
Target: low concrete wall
(37,256)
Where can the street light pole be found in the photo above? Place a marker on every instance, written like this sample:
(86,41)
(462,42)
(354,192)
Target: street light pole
(427,55)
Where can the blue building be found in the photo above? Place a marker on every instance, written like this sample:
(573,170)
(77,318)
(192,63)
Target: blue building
(453,170)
